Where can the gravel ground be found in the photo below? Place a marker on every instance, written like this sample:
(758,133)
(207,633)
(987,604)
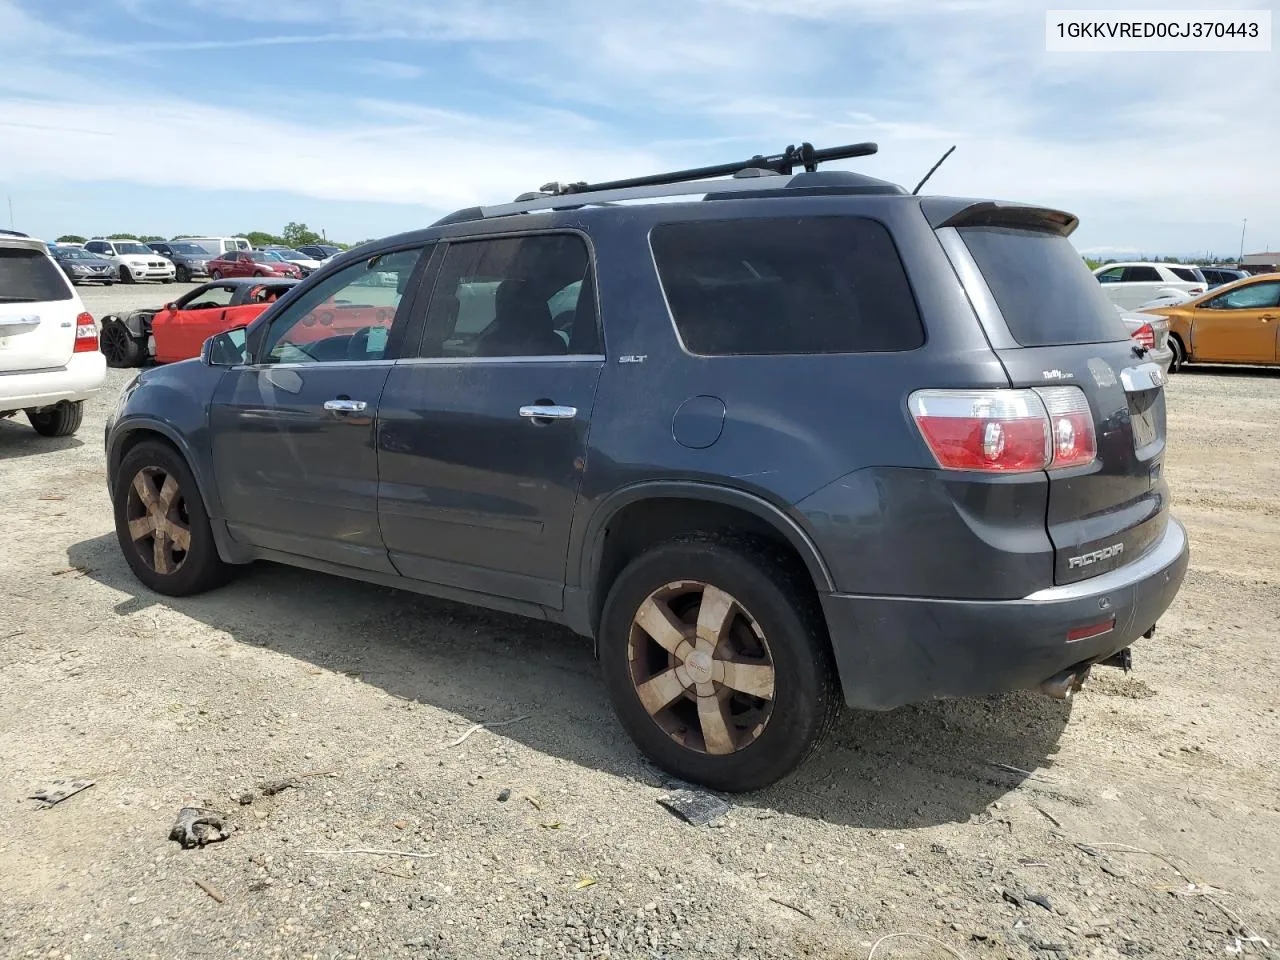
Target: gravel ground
(957,820)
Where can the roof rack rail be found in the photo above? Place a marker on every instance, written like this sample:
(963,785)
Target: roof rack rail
(783,163)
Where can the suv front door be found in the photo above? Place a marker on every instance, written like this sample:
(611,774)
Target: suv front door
(1239,325)
(293,429)
(482,437)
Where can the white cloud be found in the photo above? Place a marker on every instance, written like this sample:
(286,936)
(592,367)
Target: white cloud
(1151,150)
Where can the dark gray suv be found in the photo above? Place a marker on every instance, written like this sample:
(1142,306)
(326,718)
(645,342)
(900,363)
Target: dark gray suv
(802,440)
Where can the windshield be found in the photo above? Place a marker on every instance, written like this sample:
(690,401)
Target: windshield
(122,247)
(73,253)
(259,257)
(289,254)
(191,249)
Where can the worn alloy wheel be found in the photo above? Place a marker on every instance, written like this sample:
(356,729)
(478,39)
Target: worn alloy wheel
(715,654)
(701,667)
(161,522)
(158,520)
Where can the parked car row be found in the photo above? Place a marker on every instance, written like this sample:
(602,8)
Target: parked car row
(184,259)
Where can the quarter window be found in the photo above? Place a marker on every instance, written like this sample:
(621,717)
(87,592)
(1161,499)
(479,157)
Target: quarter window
(786,286)
(345,317)
(513,297)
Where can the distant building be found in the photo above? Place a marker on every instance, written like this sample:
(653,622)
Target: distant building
(1261,262)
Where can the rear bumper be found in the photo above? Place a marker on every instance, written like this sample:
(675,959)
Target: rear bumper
(896,650)
(80,378)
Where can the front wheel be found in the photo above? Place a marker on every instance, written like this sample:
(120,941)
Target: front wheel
(715,655)
(126,275)
(118,345)
(162,525)
(184,275)
(258,273)
(1179,355)
(61,420)
(216,275)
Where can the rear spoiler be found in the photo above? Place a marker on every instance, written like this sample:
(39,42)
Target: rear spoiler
(951,212)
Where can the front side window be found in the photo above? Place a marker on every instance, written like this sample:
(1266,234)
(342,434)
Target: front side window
(344,317)
(1256,296)
(513,297)
(212,297)
(786,286)
(1114,275)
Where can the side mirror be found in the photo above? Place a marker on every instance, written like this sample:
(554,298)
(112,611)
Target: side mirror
(171,306)
(226,349)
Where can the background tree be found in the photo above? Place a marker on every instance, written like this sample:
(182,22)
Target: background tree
(296,234)
(122,236)
(260,238)
(70,238)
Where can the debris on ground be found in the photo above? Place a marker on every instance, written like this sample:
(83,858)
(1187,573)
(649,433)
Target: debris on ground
(695,806)
(55,791)
(504,796)
(1039,899)
(214,893)
(197,826)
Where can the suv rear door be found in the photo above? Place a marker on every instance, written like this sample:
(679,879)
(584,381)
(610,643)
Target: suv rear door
(38,308)
(1051,325)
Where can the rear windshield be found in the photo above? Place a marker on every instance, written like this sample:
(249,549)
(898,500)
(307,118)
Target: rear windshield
(786,286)
(1044,290)
(28,276)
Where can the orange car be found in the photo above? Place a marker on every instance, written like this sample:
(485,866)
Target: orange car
(1235,323)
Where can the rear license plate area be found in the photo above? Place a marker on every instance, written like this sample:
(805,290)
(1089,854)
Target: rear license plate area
(1142,418)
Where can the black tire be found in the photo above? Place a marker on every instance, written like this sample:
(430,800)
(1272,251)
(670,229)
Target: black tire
(1179,355)
(258,273)
(197,568)
(182,274)
(107,283)
(61,420)
(166,279)
(126,275)
(119,346)
(216,275)
(774,602)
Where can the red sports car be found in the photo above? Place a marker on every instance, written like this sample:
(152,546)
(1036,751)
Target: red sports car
(177,330)
(251,263)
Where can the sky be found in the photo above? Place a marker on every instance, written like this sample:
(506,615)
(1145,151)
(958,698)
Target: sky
(363,118)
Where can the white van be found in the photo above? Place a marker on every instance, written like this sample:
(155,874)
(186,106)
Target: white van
(49,357)
(219,245)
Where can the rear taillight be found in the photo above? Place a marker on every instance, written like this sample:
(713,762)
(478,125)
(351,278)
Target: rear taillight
(1145,335)
(1006,431)
(1070,426)
(86,334)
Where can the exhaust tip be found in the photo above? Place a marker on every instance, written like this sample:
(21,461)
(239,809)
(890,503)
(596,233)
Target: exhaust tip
(1062,685)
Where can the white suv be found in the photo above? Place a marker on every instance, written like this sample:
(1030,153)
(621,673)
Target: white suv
(1131,285)
(135,259)
(49,356)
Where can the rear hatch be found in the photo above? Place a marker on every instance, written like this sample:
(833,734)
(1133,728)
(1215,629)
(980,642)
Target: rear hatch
(38,308)
(1063,331)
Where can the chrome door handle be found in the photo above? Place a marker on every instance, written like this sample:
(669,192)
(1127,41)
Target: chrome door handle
(551,412)
(345,406)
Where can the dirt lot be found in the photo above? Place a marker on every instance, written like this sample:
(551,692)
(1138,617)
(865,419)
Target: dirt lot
(924,820)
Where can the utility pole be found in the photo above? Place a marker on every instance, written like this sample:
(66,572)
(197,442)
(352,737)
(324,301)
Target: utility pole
(1244,226)
(11,226)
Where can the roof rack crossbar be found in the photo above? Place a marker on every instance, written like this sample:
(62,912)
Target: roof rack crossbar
(606,197)
(783,163)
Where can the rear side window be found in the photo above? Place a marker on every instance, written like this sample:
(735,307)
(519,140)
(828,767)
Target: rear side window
(1042,287)
(1141,275)
(28,276)
(786,286)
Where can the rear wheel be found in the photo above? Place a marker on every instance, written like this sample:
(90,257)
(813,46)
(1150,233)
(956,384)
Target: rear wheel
(118,345)
(715,656)
(61,420)
(216,275)
(162,525)
(258,273)
(183,274)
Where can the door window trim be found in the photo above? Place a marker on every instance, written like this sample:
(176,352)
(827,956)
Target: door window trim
(403,319)
(443,246)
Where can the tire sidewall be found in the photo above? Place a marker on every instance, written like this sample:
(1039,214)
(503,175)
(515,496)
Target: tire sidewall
(202,558)
(803,688)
